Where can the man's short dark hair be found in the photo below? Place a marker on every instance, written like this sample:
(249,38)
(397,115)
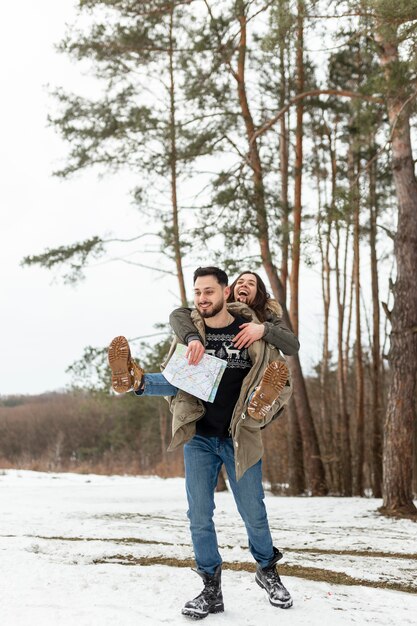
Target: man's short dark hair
(219,274)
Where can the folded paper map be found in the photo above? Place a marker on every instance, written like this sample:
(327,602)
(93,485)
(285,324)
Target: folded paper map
(200,380)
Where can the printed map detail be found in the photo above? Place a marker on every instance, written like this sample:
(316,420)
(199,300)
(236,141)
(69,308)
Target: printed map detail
(200,380)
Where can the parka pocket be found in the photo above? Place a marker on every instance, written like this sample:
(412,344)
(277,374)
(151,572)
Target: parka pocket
(186,408)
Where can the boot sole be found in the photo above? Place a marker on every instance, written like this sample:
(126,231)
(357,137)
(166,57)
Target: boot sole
(280,605)
(118,357)
(272,383)
(193,615)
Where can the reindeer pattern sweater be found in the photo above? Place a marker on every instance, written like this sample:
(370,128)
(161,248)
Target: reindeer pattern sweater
(219,342)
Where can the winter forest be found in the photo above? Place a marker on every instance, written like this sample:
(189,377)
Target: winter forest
(264,135)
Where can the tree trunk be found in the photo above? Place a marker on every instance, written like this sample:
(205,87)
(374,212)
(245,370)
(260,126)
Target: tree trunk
(296,474)
(376,443)
(298,172)
(414,487)
(343,421)
(284,167)
(401,409)
(359,374)
(347,381)
(327,425)
(323,425)
(296,477)
(173,166)
(312,458)
(283,151)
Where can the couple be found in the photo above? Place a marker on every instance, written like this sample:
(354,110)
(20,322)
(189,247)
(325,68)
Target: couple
(253,390)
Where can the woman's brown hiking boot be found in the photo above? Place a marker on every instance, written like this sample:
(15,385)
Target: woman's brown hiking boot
(272,383)
(126,374)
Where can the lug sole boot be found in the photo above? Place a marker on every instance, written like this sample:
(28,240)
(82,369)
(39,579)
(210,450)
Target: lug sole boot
(273,382)
(126,374)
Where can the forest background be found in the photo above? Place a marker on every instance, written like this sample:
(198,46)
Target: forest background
(263,135)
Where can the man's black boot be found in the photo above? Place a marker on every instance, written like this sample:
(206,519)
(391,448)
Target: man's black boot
(210,599)
(267,578)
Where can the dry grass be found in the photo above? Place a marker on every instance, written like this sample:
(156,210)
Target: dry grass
(308,573)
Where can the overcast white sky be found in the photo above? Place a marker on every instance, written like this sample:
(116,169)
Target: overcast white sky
(46,325)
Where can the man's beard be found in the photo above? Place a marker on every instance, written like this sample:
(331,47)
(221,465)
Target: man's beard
(211,313)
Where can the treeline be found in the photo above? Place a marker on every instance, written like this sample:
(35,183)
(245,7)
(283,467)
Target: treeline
(294,118)
(82,431)
(85,431)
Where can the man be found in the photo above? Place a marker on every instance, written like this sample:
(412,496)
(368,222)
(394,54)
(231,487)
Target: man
(225,432)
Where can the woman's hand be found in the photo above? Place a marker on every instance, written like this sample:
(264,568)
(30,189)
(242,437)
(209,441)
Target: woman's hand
(250,332)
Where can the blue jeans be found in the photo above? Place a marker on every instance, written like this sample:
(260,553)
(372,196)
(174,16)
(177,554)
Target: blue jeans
(203,457)
(156,385)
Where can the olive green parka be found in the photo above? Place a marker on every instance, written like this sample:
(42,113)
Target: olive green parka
(245,431)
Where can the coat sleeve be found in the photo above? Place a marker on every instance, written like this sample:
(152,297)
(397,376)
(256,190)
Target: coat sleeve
(280,336)
(183,327)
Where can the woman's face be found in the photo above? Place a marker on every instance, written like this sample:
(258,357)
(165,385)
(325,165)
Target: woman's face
(245,288)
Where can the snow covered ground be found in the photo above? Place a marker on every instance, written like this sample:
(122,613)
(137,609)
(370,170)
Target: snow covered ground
(86,550)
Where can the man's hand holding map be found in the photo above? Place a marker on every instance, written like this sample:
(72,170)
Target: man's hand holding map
(200,380)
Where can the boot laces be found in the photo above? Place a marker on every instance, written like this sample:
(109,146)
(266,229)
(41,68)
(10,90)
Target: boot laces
(211,589)
(208,595)
(272,578)
(136,374)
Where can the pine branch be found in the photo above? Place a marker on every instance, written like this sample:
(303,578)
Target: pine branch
(135,11)
(222,47)
(239,152)
(148,267)
(76,255)
(264,8)
(389,140)
(56,256)
(131,238)
(388,313)
(389,232)
(308,94)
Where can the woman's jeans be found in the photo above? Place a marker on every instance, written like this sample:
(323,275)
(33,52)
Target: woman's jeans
(156,385)
(203,458)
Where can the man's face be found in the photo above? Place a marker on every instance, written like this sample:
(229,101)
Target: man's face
(209,296)
(245,289)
